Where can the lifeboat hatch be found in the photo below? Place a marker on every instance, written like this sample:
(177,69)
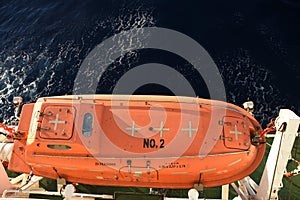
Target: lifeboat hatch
(57,122)
(236,133)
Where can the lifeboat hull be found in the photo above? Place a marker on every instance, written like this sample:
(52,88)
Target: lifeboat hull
(142,141)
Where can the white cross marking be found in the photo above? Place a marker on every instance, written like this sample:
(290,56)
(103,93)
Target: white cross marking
(190,129)
(161,129)
(236,132)
(133,128)
(56,122)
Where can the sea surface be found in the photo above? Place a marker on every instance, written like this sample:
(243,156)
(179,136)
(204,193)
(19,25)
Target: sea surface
(255,45)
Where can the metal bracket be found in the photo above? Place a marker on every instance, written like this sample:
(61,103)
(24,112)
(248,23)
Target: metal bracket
(224,138)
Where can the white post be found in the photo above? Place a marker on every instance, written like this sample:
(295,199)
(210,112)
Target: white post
(287,126)
(193,194)
(225,192)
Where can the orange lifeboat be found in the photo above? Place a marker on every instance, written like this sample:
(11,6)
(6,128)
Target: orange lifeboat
(141,141)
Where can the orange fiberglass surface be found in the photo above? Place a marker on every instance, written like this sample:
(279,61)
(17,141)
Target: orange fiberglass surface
(142,141)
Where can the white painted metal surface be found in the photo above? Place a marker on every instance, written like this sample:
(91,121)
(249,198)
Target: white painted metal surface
(6,151)
(287,126)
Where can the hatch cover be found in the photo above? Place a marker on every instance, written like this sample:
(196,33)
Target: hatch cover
(57,122)
(236,133)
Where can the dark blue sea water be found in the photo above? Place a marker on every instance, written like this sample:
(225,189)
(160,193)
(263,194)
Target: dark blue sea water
(255,45)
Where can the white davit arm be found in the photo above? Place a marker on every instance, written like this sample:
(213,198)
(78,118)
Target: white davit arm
(6,151)
(4,183)
(287,128)
(5,155)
